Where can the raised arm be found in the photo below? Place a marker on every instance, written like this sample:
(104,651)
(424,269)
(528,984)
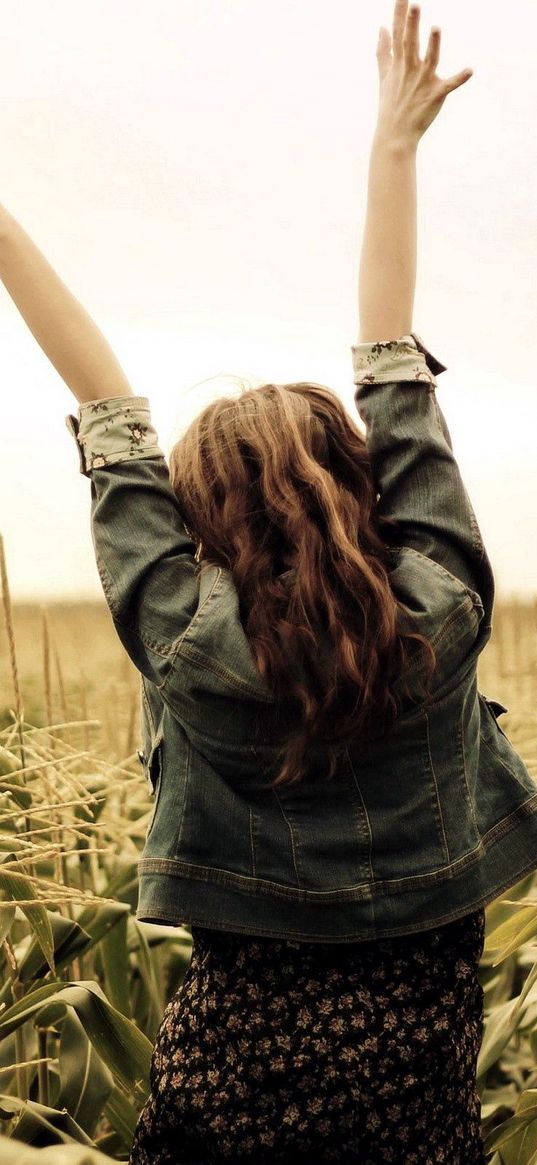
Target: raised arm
(58,321)
(415,470)
(410,97)
(144,555)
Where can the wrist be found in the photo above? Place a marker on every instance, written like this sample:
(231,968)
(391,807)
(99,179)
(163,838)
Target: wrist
(391,143)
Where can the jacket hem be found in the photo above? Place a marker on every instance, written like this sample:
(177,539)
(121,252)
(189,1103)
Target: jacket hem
(176,899)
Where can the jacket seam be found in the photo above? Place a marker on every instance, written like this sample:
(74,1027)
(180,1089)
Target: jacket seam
(304,936)
(443,570)
(252,847)
(363,890)
(156,751)
(207,739)
(176,645)
(166,651)
(196,657)
(107,584)
(290,828)
(119,455)
(494,716)
(364,807)
(199,659)
(498,756)
(187,775)
(447,854)
(453,617)
(199,611)
(210,664)
(465,771)
(147,705)
(243,881)
(153,645)
(412,716)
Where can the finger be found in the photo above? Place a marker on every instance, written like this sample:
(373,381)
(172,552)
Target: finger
(411,43)
(399,20)
(384,50)
(457,80)
(432,56)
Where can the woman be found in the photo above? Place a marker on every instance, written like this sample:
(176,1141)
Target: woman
(335,803)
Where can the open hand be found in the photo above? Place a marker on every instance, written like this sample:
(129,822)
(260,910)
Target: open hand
(411,95)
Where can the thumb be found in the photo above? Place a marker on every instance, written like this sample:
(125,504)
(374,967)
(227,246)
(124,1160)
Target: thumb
(457,79)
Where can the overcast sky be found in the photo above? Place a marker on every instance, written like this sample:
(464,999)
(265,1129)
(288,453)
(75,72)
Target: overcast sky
(196,172)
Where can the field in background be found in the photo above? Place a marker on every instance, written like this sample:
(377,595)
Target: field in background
(85,983)
(91,676)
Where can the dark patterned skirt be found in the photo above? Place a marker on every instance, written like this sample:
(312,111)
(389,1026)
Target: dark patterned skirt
(281,1051)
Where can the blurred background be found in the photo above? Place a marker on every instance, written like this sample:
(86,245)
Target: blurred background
(196,172)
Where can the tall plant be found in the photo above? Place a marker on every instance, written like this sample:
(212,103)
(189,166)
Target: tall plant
(84,984)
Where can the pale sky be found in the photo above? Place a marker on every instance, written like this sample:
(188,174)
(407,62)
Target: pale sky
(196,173)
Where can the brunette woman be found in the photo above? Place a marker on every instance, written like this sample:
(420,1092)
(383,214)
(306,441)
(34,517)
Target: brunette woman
(334,801)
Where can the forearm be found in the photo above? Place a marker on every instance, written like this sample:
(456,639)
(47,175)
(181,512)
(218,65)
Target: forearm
(64,330)
(387,277)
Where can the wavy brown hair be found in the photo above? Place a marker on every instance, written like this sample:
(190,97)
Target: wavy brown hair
(276,485)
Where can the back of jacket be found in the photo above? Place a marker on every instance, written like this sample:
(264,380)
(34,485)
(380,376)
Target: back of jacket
(418,826)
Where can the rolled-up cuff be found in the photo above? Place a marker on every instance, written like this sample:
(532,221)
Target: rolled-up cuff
(111,430)
(406,359)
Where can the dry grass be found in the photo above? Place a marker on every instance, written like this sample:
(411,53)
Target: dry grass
(91,677)
(90,674)
(507,671)
(74,820)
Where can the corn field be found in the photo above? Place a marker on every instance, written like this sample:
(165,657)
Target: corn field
(84,984)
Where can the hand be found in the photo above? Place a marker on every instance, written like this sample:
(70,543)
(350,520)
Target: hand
(411,95)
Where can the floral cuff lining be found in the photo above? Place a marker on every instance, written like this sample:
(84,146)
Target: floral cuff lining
(387,361)
(117,428)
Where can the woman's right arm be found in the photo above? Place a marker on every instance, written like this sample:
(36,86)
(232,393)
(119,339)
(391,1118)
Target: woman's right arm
(414,468)
(415,471)
(387,277)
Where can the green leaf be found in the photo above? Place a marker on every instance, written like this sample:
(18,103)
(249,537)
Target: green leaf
(513,1133)
(511,934)
(125,1049)
(152,990)
(98,920)
(178,958)
(37,1124)
(17,886)
(16,1153)
(501,1023)
(6,921)
(115,959)
(124,881)
(50,1015)
(122,1114)
(69,939)
(85,1080)
(19,1012)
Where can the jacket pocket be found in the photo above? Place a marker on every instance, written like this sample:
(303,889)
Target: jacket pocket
(496,709)
(152,764)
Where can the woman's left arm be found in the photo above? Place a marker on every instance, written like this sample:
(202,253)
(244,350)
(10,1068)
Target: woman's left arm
(144,555)
(64,330)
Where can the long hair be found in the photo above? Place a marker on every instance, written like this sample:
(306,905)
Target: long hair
(276,485)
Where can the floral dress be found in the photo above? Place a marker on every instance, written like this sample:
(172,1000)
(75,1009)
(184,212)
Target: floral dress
(280,1051)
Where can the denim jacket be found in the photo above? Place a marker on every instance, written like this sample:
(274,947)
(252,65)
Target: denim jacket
(419,826)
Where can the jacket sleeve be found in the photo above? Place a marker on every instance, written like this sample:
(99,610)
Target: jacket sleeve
(144,555)
(415,470)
